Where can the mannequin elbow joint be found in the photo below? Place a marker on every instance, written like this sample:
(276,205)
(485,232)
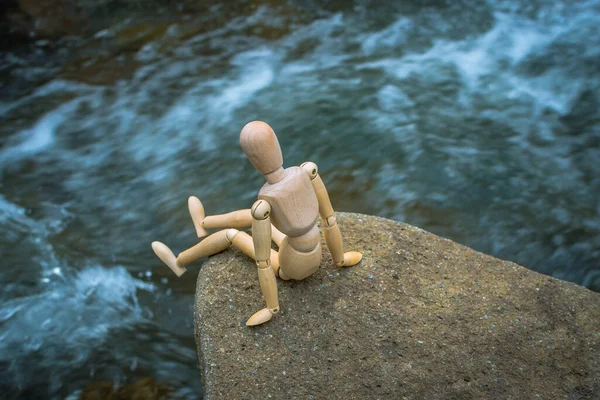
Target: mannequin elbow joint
(330,221)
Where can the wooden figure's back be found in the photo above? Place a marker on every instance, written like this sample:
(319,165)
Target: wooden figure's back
(294,204)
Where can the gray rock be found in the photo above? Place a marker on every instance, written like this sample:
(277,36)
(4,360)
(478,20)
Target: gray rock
(421,317)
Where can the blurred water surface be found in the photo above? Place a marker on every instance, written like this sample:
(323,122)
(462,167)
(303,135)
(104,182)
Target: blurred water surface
(478,121)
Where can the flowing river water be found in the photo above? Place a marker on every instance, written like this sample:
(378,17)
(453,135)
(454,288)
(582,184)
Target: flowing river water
(478,121)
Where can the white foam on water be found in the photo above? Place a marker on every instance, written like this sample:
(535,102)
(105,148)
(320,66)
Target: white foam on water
(27,239)
(393,99)
(256,73)
(550,90)
(328,52)
(199,113)
(490,66)
(133,119)
(388,38)
(63,324)
(55,320)
(120,115)
(10,210)
(53,87)
(493,55)
(19,229)
(38,138)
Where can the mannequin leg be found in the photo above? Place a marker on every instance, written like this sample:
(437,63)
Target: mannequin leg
(243,241)
(213,244)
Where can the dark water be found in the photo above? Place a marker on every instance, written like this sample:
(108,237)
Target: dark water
(477,121)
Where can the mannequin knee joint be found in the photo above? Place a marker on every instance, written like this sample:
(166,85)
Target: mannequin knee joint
(230,234)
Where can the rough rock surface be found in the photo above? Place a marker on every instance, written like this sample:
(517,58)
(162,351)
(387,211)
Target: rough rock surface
(421,317)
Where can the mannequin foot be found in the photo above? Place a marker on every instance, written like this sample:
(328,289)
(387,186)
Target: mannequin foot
(167,256)
(260,317)
(197,213)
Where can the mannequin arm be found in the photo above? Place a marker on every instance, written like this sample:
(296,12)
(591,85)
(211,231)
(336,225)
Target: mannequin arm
(331,230)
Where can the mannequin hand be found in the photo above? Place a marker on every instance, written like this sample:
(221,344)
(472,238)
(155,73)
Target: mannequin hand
(351,258)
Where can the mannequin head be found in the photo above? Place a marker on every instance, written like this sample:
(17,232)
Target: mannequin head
(261,147)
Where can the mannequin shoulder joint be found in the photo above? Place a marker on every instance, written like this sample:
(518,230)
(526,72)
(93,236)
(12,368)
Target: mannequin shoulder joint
(311,169)
(260,209)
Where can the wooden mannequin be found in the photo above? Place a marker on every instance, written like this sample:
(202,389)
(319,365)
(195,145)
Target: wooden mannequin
(286,212)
